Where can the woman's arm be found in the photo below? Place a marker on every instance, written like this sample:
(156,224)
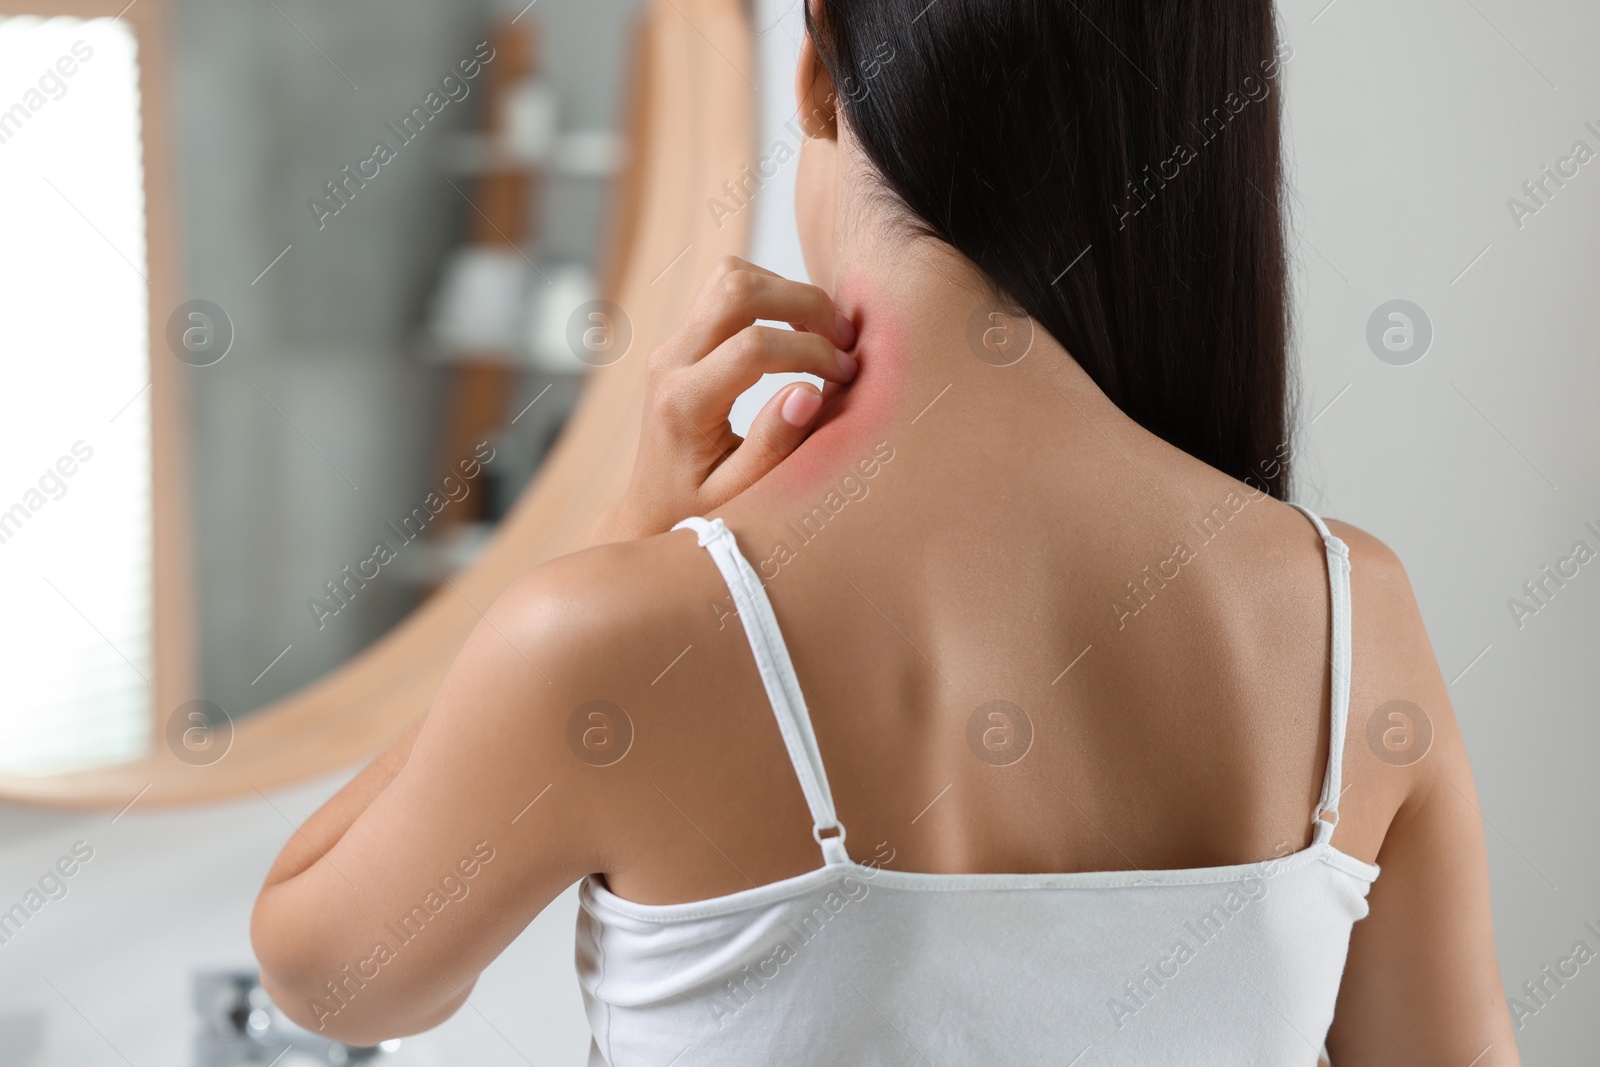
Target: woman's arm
(384,908)
(320,833)
(1422,983)
(328,824)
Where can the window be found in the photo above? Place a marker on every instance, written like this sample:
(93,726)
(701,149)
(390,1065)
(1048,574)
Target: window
(76,632)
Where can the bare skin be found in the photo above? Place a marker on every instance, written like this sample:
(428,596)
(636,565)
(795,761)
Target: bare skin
(1005,510)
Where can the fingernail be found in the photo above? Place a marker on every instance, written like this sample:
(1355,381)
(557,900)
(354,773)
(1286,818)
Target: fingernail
(845,329)
(847,363)
(800,407)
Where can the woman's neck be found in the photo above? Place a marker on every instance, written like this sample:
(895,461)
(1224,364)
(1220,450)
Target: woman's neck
(926,385)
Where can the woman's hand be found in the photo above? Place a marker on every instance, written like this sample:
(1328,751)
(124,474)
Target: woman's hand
(690,461)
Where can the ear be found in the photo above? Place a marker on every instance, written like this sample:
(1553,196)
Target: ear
(814,94)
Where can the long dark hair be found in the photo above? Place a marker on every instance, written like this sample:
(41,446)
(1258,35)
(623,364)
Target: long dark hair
(1113,167)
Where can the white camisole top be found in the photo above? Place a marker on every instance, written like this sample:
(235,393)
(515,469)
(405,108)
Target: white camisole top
(858,963)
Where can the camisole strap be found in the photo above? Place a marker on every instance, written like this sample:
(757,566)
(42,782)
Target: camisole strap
(1326,816)
(778,677)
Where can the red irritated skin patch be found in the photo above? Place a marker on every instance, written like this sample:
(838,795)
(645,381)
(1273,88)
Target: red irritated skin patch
(857,416)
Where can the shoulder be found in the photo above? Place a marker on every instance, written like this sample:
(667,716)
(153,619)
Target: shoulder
(1378,564)
(1403,740)
(555,681)
(573,630)
(1389,633)
(581,611)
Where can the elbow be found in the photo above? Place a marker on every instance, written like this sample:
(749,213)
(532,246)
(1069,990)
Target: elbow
(294,974)
(288,969)
(314,1010)
(329,1006)
(269,938)
(339,1010)
(335,1000)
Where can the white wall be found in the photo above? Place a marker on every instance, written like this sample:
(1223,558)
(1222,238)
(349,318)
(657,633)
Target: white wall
(1411,125)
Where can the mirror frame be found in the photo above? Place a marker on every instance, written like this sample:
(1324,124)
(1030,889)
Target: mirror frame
(692,126)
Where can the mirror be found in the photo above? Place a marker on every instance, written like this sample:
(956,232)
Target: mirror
(322,329)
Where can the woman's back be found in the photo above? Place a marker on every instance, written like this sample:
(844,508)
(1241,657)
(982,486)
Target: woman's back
(1131,672)
(1129,685)
(984,965)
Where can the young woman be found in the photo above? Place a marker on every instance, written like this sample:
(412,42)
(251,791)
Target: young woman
(990,705)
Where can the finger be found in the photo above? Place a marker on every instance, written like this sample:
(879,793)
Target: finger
(708,389)
(782,424)
(762,294)
(705,392)
(725,266)
(707,323)
(737,297)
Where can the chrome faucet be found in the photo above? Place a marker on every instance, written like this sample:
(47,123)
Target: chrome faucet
(244,1028)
